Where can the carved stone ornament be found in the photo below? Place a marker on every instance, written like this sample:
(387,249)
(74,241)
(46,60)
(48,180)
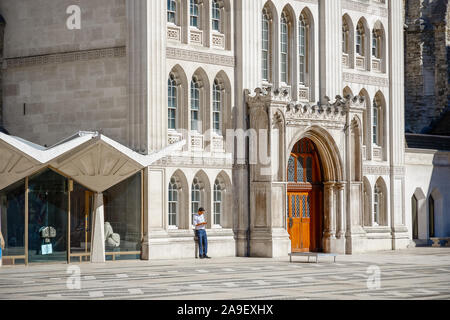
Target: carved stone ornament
(327,114)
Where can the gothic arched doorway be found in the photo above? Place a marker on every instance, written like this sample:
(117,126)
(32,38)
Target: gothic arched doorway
(305,197)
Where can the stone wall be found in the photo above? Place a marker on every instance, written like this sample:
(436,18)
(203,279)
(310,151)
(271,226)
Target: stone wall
(39,26)
(58,81)
(427,67)
(63,98)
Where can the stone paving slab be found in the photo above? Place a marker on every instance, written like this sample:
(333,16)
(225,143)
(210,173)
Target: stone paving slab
(416,273)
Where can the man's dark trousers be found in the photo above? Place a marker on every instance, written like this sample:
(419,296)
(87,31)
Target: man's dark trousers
(202,242)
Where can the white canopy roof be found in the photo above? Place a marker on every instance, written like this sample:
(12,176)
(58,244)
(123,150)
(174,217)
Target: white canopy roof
(90,158)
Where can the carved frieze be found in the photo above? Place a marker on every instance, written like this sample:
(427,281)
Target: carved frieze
(202,57)
(371,9)
(365,79)
(330,115)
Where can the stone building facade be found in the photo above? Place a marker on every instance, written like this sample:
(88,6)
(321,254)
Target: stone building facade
(283,118)
(427,36)
(427,117)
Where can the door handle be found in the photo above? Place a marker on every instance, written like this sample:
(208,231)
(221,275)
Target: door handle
(291,222)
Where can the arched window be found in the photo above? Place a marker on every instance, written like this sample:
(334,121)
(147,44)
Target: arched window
(172,11)
(345,38)
(377,207)
(173,203)
(415,217)
(431,209)
(376,44)
(376,122)
(217,108)
(195,104)
(217,202)
(195,197)
(302,48)
(194,13)
(284,48)
(215,14)
(172,102)
(266,45)
(360,35)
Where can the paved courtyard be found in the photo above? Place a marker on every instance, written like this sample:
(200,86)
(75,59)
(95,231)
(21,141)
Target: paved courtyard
(417,273)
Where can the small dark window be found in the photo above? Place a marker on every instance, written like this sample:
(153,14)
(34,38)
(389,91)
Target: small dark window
(431,216)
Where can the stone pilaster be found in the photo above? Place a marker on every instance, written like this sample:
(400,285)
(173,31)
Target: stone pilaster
(330,48)
(396,126)
(147,75)
(247,17)
(155,209)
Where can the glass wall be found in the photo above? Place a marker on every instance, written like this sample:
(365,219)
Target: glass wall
(47,224)
(12,221)
(81,206)
(123,219)
(53,229)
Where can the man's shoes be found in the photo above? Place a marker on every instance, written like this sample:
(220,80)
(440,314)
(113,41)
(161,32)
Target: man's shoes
(202,257)
(206,257)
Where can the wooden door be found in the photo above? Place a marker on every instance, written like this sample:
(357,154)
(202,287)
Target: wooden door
(304,198)
(299,221)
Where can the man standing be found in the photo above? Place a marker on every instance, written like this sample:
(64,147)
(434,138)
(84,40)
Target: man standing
(200,231)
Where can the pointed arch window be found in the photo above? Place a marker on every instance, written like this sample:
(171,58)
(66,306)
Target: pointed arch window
(195,104)
(217,108)
(194,13)
(217,202)
(376,44)
(376,123)
(195,196)
(431,221)
(415,217)
(345,38)
(302,48)
(215,14)
(377,194)
(360,35)
(173,203)
(172,102)
(265,45)
(284,48)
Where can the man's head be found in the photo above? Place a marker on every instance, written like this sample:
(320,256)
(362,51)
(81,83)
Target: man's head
(201,211)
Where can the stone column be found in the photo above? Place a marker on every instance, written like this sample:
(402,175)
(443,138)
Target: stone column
(330,243)
(330,212)
(330,49)
(340,210)
(98,231)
